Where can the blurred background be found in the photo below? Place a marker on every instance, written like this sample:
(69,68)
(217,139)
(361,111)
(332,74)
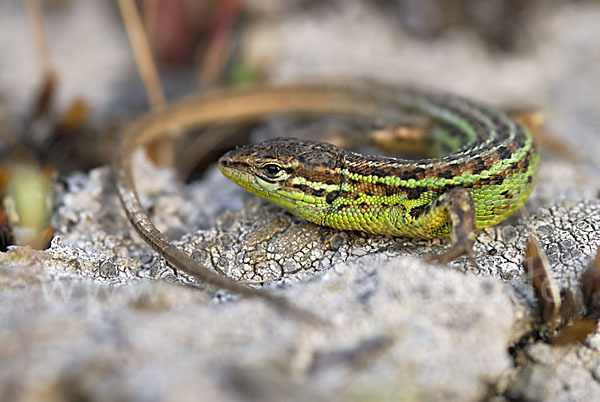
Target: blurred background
(518,52)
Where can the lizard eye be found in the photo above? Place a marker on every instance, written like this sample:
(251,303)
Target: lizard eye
(272,170)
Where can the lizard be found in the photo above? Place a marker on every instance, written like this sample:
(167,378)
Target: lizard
(482,182)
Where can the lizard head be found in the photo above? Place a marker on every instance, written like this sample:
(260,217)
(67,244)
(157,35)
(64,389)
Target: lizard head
(296,175)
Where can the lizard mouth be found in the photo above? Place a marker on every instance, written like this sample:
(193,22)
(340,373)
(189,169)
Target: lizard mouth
(241,173)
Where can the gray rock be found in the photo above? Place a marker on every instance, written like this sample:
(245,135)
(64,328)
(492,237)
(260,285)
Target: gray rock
(99,316)
(397,325)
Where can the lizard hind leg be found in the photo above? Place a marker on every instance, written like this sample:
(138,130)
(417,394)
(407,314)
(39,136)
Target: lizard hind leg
(458,206)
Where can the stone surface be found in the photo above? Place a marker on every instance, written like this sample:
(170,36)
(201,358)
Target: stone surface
(397,326)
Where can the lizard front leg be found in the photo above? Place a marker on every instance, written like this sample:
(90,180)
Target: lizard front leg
(457,204)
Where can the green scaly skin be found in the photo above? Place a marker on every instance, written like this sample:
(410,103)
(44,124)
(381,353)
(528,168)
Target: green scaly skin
(480,184)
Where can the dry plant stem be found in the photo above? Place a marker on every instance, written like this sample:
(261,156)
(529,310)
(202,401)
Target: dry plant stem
(216,54)
(162,151)
(150,15)
(49,79)
(36,18)
(143,54)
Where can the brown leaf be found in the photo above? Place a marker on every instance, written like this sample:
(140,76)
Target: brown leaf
(74,117)
(570,306)
(576,332)
(406,139)
(538,269)
(44,96)
(590,285)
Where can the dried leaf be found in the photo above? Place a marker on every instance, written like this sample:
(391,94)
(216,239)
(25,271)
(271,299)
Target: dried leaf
(569,308)
(45,95)
(533,119)
(43,241)
(590,285)
(406,139)
(74,117)
(538,269)
(6,235)
(4,178)
(576,332)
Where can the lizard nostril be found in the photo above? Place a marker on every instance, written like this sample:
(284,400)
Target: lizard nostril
(224,162)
